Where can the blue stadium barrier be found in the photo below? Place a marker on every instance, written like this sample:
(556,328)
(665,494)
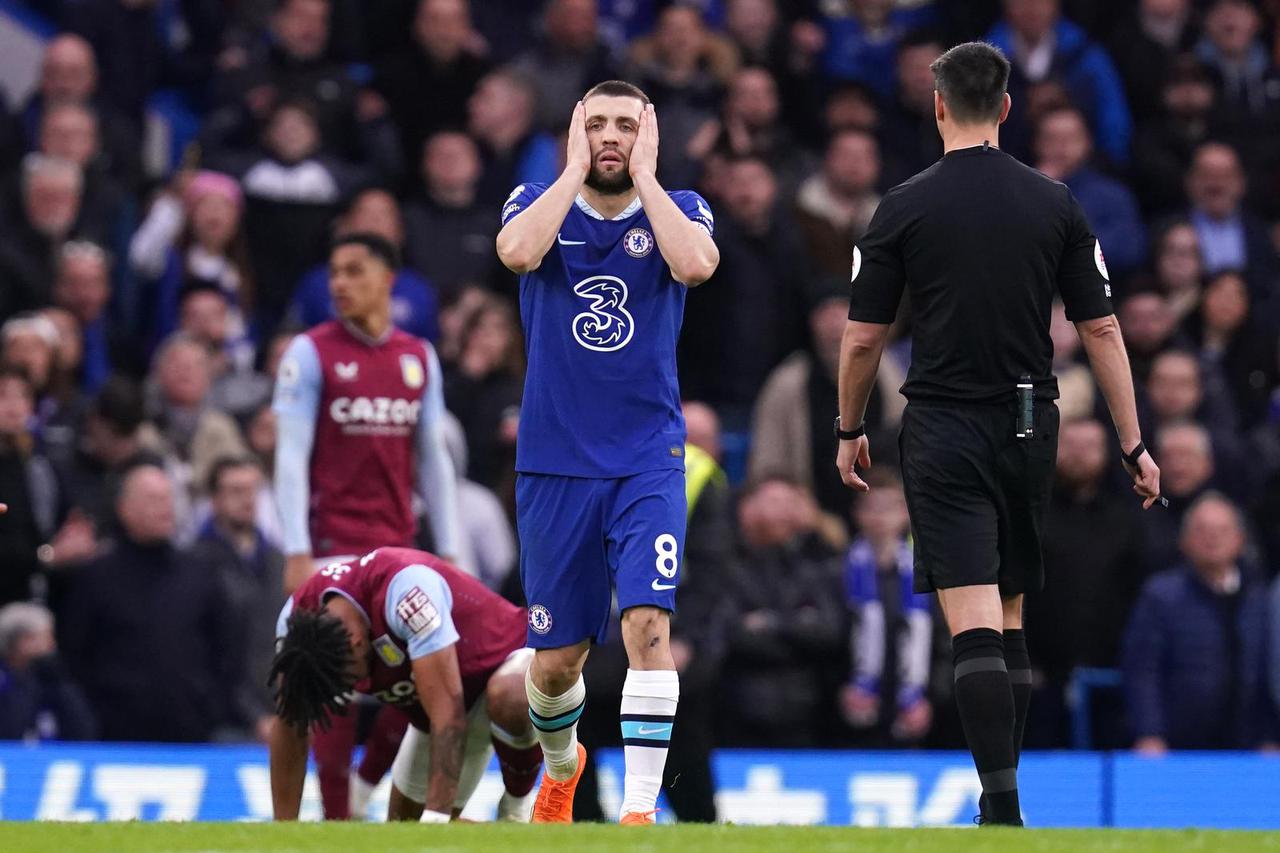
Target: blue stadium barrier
(1084,683)
(88,782)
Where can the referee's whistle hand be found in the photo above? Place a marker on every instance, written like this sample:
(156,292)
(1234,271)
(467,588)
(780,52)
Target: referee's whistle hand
(1146,479)
(851,456)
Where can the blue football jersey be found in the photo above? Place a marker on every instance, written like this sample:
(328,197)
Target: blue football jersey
(601,319)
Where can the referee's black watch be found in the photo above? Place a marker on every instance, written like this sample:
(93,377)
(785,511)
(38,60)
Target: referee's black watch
(850,434)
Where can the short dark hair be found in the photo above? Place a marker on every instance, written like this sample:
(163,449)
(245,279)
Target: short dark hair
(120,404)
(195,284)
(380,247)
(311,670)
(223,464)
(617,89)
(972,79)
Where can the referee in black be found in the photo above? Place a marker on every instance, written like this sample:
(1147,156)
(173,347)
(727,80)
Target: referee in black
(984,244)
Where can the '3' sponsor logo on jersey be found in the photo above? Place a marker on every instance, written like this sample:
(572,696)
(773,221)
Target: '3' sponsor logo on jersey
(606,325)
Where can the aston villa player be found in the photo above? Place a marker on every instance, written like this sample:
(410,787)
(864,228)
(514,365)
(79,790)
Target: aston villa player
(359,404)
(414,632)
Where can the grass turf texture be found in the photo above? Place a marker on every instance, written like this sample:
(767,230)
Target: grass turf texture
(597,838)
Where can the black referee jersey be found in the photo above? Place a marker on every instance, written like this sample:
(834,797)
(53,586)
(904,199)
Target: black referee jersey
(984,244)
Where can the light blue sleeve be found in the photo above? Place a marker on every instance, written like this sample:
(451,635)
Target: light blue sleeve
(297,397)
(420,610)
(696,208)
(437,482)
(282,623)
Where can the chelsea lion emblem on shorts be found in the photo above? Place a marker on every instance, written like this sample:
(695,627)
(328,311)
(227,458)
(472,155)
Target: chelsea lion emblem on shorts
(638,242)
(539,619)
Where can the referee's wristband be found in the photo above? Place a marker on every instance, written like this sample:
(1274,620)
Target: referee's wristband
(428,816)
(1134,455)
(850,434)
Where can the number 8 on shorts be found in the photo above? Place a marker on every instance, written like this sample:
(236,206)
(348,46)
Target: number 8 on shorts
(668,560)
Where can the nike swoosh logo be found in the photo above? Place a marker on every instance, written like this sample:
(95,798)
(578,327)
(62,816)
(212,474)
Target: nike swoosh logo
(563,242)
(659,587)
(656,730)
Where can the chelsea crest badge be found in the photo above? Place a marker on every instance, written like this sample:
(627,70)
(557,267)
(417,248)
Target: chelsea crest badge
(638,242)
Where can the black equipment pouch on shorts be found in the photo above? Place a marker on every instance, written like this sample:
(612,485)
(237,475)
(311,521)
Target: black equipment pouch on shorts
(1025,426)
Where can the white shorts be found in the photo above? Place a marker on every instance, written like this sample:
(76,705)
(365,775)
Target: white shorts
(412,768)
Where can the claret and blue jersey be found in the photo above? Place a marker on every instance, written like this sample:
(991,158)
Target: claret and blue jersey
(602,315)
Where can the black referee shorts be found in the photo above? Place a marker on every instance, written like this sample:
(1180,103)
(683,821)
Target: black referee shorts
(977,494)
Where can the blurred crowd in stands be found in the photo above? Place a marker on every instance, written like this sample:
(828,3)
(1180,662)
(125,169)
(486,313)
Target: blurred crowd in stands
(143,312)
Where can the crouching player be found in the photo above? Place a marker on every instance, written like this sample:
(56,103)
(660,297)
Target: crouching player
(414,632)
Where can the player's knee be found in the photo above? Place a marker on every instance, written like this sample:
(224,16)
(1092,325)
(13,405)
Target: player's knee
(556,670)
(507,703)
(646,629)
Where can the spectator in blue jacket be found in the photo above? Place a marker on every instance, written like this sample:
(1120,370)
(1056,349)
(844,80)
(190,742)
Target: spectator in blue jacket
(863,46)
(1195,653)
(413,299)
(1064,149)
(1048,51)
(892,635)
(82,285)
(1232,237)
(38,700)
(501,115)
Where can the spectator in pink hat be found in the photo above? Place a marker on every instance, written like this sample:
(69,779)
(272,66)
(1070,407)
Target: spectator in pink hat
(194,232)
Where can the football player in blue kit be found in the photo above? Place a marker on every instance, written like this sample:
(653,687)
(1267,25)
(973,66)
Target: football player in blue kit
(604,256)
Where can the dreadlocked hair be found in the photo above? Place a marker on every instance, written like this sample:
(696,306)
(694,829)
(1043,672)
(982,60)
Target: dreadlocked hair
(311,669)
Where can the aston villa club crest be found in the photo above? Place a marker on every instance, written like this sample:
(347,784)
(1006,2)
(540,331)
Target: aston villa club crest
(388,651)
(638,242)
(411,371)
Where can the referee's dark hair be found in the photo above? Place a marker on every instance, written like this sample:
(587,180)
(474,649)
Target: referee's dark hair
(311,671)
(380,247)
(617,89)
(972,79)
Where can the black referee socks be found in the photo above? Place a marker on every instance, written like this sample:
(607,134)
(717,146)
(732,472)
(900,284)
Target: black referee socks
(985,701)
(1018,661)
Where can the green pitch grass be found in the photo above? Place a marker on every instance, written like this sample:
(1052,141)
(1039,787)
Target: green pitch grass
(595,838)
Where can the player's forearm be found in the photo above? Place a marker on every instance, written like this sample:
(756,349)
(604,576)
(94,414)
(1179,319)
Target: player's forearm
(860,351)
(1105,347)
(525,240)
(448,750)
(288,759)
(685,245)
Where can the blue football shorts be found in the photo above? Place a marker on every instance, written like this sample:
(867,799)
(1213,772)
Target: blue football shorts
(582,538)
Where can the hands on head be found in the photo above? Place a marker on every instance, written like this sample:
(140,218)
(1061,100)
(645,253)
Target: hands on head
(644,154)
(643,160)
(578,147)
